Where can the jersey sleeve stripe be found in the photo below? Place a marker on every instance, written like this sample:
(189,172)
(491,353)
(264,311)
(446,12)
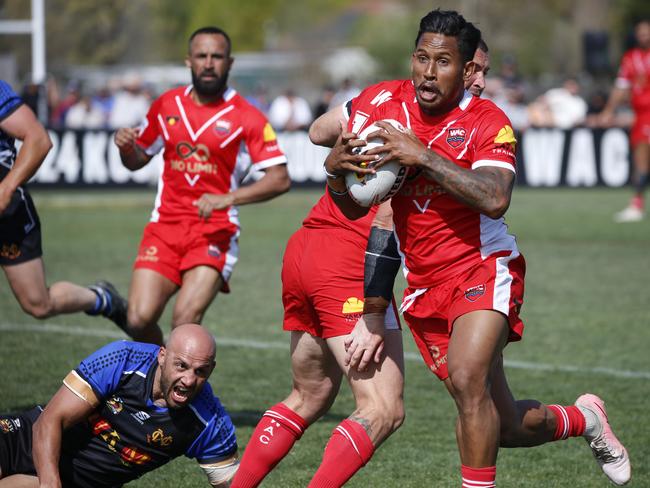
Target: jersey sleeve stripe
(496,164)
(77,385)
(154,148)
(622,83)
(231,137)
(267,163)
(162,126)
(346,108)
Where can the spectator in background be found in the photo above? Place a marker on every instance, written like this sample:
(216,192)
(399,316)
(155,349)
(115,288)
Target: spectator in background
(59,111)
(85,114)
(324,101)
(104,99)
(130,104)
(561,107)
(510,100)
(347,91)
(634,80)
(260,99)
(289,112)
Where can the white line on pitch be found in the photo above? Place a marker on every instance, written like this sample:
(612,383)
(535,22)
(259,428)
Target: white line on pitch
(227,341)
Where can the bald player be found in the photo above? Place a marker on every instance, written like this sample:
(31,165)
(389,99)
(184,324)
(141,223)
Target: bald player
(127,409)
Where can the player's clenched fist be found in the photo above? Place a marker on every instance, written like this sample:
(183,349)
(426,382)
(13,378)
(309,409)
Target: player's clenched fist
(125,139)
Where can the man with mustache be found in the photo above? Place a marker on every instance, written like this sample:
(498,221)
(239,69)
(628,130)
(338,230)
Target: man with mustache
(127,409)
(464,271)
(211,138)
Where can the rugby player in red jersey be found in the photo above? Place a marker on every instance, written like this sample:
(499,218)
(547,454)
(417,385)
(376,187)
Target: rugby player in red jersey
(329,340)
(634,80)
(464,271)
(211,138)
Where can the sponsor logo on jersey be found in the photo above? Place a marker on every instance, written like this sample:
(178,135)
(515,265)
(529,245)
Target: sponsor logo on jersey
(172,119)
(200,152)
(474,293)
(159,438)
(358,121)
(268,134)
(214,251)
(222,127)
(141,416)
(506,136)
(10,251)
(352,309)
(149,254)
(456,136)
(131,455)
(8,425)
(115,404)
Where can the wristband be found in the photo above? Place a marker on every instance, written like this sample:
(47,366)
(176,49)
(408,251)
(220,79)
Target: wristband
(336,193)
(330,175)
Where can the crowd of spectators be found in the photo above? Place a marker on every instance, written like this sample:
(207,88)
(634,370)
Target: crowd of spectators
(123,102)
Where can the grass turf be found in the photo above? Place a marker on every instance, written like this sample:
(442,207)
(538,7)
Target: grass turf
(586,315)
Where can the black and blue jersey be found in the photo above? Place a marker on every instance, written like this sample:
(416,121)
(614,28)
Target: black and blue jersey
(128,435)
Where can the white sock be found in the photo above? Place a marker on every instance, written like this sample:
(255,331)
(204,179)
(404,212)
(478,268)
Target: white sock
(593,427)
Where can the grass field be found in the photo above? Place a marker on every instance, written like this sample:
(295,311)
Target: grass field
(587,320)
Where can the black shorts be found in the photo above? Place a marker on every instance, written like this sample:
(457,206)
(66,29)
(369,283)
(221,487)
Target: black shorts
(20,230)
(16,442)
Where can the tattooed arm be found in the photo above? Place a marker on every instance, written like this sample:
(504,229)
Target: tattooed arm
(487,189)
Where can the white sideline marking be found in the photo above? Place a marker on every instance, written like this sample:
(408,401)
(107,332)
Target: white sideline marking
(228,341)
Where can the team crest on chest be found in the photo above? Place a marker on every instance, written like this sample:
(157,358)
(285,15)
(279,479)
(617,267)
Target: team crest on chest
(222,127)
(456,136)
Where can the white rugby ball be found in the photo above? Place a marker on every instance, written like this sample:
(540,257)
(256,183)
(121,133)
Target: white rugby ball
(373,189)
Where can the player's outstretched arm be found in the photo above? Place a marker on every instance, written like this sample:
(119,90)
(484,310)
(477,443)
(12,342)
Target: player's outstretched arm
(133,156)
(325,130)
(616,98)
(63,411)
(23,125)
(487,189)
(221,473)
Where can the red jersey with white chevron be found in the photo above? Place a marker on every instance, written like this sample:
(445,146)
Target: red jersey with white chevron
(634,73)
(439,236)
(325,214)
(207,149)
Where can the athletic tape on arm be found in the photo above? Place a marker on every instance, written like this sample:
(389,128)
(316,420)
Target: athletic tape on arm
(381,264)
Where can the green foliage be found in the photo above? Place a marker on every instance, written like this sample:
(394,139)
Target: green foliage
(586,306)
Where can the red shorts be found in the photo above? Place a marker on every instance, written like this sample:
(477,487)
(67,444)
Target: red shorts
(640,133)
(494,284)
(171,249)
(322,283)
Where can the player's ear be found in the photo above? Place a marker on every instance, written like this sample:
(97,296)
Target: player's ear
(188,62)
(469,70)
(161,355)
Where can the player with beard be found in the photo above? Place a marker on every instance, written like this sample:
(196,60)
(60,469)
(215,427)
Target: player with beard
(127,409)
(211,138)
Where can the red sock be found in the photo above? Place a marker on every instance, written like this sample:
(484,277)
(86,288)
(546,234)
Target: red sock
(637,202)
(347,451)
(274,436)
(570,421)
(479,477)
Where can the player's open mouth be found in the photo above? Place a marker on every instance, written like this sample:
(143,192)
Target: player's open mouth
(180,394)
(427,92)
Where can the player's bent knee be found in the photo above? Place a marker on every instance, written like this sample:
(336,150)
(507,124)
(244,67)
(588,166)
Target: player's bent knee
(38,310)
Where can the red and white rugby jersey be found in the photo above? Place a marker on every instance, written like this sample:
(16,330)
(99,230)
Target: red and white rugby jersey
(634,73)
(325,214)
(207,149)
(438,235)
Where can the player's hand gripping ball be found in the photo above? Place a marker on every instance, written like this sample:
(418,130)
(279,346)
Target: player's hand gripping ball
(373,189)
